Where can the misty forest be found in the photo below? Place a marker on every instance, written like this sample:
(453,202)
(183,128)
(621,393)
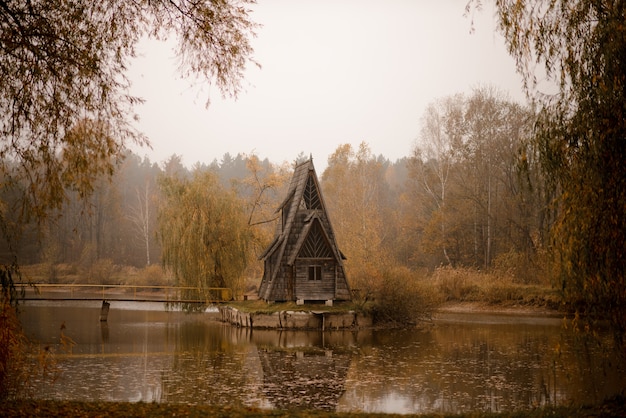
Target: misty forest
(498,202)
(467,215)
(470,196)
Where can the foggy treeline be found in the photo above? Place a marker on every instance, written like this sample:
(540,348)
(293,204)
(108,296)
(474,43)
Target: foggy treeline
(117,225)
(470,194)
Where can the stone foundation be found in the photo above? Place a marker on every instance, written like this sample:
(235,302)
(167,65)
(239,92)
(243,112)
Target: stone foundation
(295,320)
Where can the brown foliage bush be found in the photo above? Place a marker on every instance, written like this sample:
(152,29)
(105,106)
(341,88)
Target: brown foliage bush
(524,268)
(67,273)
(101,272)
(495,287)
(152,275)
(456,284)
(403,298)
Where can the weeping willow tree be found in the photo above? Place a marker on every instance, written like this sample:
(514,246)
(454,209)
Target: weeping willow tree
(66,111)
(579,47)
(204,233)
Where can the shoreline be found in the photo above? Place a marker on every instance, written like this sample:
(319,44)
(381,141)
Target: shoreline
(311,319)
(499,309)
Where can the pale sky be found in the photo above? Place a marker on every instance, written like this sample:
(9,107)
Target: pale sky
(333,72)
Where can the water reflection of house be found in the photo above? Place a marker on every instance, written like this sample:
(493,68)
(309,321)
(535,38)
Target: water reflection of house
(303,261)
(311,379)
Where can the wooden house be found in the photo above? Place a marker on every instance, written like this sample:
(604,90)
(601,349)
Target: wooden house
(303,262)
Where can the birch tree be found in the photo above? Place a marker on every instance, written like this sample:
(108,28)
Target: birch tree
(574,50)
(433,157)
(140,217)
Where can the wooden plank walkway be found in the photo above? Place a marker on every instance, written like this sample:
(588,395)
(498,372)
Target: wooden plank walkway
(122,293)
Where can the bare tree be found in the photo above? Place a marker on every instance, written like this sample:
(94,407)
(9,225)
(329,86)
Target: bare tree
(578,47)
(434,156)
(140,217)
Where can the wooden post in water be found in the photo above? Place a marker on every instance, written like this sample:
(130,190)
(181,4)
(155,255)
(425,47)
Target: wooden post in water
(104,311)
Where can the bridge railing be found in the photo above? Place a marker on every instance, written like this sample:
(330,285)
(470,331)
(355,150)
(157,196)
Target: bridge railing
(120,292)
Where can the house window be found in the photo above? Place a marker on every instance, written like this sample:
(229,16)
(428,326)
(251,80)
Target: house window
(315,272)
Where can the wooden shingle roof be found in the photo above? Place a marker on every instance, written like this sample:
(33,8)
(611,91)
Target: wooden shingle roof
(303,211)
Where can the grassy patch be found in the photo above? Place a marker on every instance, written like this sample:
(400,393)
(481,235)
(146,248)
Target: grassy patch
(470,285)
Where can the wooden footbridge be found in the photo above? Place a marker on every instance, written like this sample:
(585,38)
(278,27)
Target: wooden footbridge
(170,295)
(125,293)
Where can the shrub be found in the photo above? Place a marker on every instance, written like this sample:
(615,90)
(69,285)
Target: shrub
(456,284)
(102,271)
(494,287)
(152,275)
(87,259)
(364,285)
(129,275)
(523,268)
(67,273)
(33,272)
(403,299)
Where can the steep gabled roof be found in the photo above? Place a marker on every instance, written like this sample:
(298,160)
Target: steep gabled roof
(272,247)
(304,190)
(310,223)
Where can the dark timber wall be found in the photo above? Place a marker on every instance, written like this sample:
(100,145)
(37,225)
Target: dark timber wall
(303,261)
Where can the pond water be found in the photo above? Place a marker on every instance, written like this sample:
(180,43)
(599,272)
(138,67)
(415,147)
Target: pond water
(463,362)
